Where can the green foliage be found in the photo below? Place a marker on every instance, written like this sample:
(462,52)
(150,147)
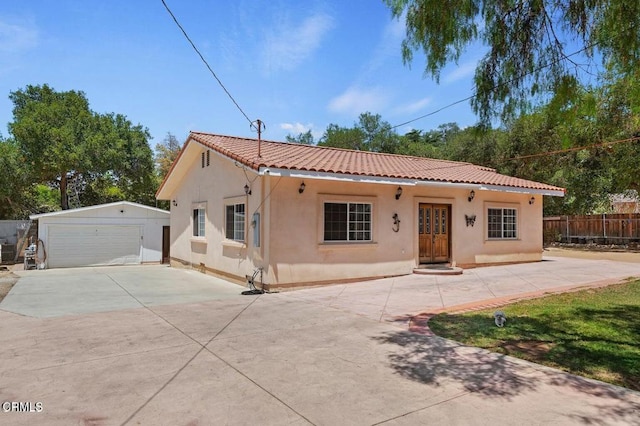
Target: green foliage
(14,178)
(305,138)
(45,199)
(61,141)
(591,333)
(527,42)
(370,133)
(166,153)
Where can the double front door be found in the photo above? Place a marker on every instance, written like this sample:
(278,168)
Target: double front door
(434,230)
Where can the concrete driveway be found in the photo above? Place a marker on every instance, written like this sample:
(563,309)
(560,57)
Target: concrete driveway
(301,357)
(59,292)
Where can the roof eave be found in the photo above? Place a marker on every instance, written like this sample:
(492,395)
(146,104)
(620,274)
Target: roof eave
(344,177)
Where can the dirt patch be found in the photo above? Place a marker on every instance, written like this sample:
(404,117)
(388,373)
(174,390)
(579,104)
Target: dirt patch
(7,281)
(530,349)
(593,254)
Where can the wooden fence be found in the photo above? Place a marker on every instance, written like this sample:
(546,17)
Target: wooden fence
(618,228)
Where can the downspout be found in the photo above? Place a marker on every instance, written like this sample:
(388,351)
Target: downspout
(265,210)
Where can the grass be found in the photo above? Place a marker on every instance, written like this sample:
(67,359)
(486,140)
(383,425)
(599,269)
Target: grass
(592,333)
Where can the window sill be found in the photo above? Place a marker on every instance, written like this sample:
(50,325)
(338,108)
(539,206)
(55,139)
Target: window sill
(490,240)
(198,240)
(233,243)
(347,245)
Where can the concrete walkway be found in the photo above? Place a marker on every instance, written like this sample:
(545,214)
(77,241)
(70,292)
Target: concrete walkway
(326,356)
(398,299)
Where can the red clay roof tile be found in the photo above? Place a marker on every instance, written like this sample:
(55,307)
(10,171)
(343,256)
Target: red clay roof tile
(280,155)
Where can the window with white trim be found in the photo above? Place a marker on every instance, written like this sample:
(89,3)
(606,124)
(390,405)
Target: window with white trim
(235,222)
(347,221)
(502,223)
(198,221)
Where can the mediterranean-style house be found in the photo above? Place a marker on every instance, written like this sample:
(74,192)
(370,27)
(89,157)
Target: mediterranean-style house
(311,215)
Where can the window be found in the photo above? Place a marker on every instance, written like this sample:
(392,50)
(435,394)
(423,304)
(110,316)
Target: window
(347,222)
(202,159)
(234,229)
(198,222)
(502,224)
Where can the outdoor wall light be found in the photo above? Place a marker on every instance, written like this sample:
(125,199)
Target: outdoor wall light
(472,195)
(398,192)
(175,203)
(302,187)
(532,200)
(247,190)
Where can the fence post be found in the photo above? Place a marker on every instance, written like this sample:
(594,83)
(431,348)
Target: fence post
(604,227)
(568,239)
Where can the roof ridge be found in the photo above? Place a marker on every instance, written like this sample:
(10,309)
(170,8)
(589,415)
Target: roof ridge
(340,149)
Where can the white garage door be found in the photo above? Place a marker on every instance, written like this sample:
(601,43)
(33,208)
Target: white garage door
(92,245)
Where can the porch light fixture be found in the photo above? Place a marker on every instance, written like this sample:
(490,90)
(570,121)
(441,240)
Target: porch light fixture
(247,190)
(472,195)
(302,187)
(398,192)
(532,200)
(175,203)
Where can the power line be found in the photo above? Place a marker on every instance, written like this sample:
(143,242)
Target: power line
(206,63)
(497,85)
(577,148)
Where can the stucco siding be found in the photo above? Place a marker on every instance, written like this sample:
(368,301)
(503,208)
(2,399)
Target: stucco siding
(212,187)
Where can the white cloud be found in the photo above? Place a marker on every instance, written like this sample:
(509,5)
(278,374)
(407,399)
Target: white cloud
(355,101)
(296,128)
(387,49)
(461,72)
(16,38)
(289,45)
(413,107)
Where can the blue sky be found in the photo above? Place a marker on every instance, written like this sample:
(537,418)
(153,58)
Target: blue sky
(295,65)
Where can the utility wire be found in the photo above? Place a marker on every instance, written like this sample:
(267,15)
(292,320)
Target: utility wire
(206,63)
(497,85)
(577,148)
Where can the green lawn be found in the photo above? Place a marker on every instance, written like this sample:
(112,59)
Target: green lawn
(592,333)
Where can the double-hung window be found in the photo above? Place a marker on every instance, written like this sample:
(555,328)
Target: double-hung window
(347,221)
(198,221)
(235,222)
(502,223)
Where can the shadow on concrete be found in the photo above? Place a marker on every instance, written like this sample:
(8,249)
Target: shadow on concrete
(624,409)
(434,360)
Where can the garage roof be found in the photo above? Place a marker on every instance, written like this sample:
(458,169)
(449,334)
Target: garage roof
(121,204)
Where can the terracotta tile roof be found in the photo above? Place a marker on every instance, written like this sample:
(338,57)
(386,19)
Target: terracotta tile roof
(291,156)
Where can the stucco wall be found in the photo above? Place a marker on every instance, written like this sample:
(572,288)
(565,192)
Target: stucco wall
(210,187)
(298,253)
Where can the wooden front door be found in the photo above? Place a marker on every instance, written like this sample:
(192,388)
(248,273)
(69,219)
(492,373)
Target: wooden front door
(433,233)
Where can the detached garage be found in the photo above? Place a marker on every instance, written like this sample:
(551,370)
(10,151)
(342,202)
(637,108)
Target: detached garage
(121,233)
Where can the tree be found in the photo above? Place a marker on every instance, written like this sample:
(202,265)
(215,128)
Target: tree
(62,140)
(527,42)
(13,181)
(305,138)
(370,133)
(343,137)
(166,153)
